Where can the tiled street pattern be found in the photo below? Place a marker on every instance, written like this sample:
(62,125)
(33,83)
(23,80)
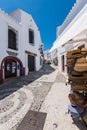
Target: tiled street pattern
(56,106)
(44,91)
(23,94)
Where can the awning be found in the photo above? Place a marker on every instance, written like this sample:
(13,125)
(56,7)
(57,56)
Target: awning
(75,41)
(78,25)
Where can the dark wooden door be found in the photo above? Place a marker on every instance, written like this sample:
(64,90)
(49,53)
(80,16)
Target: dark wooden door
(10,68)
(31,63)
(63,68)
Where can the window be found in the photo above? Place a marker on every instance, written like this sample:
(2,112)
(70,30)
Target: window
(31,36)
(12,39)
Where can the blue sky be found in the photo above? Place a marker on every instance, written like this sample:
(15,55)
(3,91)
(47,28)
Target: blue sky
(48,14)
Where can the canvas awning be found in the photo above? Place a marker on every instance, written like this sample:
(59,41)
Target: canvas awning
(78,25)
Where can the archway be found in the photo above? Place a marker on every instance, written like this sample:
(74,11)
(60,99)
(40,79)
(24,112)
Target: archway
(10,66)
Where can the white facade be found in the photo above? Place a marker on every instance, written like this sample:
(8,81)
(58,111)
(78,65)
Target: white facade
(72,33)
(21,24)
(47,55)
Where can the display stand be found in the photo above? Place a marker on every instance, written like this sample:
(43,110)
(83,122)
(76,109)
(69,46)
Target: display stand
(77,78)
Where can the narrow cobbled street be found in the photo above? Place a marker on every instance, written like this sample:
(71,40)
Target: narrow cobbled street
(42,91)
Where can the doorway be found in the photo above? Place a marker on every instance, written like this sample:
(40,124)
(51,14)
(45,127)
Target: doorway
(63,68)
(31,63)
(10,68)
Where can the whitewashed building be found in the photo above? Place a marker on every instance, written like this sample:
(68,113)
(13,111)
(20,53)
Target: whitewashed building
(47,55)
(72,34)
(20,43)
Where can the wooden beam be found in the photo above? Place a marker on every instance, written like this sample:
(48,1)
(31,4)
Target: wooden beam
(30,53)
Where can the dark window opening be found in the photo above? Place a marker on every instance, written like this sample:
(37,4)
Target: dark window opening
(12,39)
(31,36)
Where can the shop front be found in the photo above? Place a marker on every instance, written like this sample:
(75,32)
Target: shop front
(11,67)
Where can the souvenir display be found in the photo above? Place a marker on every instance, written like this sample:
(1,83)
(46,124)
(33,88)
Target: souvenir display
(77,77)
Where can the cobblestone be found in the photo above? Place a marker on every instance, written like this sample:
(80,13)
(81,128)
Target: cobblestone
(60,77)
(39,92)
(13,97)
(43,91)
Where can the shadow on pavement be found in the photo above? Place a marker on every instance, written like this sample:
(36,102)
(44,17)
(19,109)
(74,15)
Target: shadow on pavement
(13,85)
(80,124)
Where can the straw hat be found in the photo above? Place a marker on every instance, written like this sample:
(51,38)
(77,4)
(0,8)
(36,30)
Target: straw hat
(79,87)
(81,60)
(70,60)
(84,50)
(74,54)
(78,99)
(75,73)
(77,51)
(80,67)
(77,79)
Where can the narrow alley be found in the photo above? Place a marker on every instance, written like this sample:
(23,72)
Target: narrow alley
(43,91)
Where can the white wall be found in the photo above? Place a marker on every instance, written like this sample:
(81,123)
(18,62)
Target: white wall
(72,14)
(6,21)
(25,22)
